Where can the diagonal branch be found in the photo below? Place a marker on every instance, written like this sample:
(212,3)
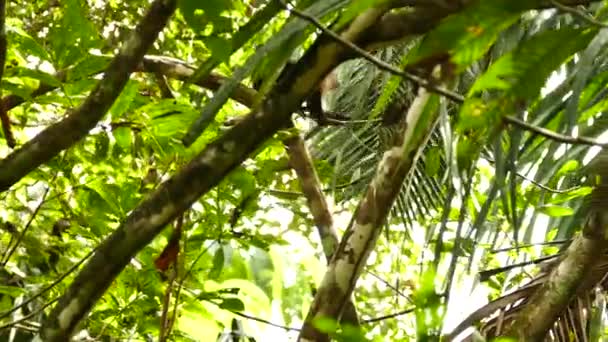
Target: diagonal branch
(553,135)
(301,162)
(370,215)
(578,13)
(78,122)
(551,299)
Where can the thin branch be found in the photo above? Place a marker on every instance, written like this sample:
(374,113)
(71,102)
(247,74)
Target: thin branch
(553,135)
(393,315)
(377,62)
(12,250)
(261,320)
(30,315)
(299,194)
(390,286)
(50,286)
(578,13)
(544,243)
(164,317)
(546,188)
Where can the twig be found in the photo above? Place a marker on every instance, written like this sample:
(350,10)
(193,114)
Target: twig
(538,184)
(164,322)
(30,315)
(390,286)
(544,243)
(50,286)
(12,250)
(377,62)
(546,188)
(261,320)
(578,13)
(339,122)
(553,135)
(393,315)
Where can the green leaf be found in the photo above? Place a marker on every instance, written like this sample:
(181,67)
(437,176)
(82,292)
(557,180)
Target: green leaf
(569,166)
(467,35)
(570,195)
(102,146)
(42,76)
(105,193)
(12,291)
(24,43)
(218,264)
(221,49)
(355,8)
(198,13)
(326,324)
(170,117)
(123,137)
(243,180)
(232,304)
(524,71)
(556,211)
(124,101)
(90,65)
(432,161)
(74,35)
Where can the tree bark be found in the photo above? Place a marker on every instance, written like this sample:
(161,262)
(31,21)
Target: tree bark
(78,122)
(370,215)
(572,274)
(302,163)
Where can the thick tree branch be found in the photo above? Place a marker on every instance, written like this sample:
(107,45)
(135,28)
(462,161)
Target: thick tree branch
(302,163)
(78,122)
(360,239)
(551,299)
(421,18)
(51,141)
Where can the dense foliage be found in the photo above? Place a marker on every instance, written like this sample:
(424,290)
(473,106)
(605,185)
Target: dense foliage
(350,170)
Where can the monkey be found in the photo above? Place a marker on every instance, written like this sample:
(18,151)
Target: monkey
(314,101)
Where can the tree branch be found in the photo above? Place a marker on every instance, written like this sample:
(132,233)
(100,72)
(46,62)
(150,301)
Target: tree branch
(552,297)
(360,238)
(375,61)
(78,122)
(301,162)
(553,135)
(577,13)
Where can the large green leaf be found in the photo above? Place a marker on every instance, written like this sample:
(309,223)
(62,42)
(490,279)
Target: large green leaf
(525,70)
(75,34)
(467,35)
